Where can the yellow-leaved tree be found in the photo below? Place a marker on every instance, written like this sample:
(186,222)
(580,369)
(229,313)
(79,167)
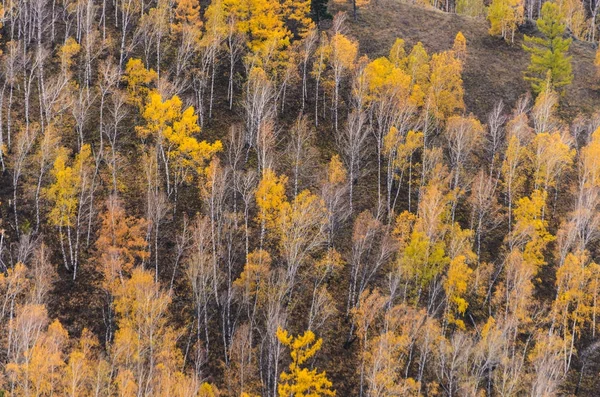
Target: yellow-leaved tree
(530,230)
(172,130)
(342,58)
(270,197)
(120,244)
(505,16)
(455,285)
(187,14)
(297,16)
(445,85)
(138,80)
(144,348)
(302,382)
(261,22)
(67,195)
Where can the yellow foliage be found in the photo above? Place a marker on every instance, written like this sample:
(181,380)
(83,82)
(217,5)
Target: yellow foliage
(138,80)
(64,192)
(144,342)
(208,390)
(460,46)
(422,260)
(168,125)
(297,16)
(387,83)
(551,156)
(80,366)
(121,242)
(14,281)
(514,167)
(575,18)
(254,277)
(336,172)
(303,218)
(505,16)
(597,62)
(455,285)
(384,358)
(270,197)
(398,54)
(331,262)
(39,371)
(574,304)
(403,227)
(445,90)
(590,161)
(262,22)
(343,52)
(187,14)
(68,51)
(530,228)
(417,66)
(402,149)
(302,382)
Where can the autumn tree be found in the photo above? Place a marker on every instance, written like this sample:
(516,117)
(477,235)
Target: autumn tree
(297,17)
(352,143)
(515,159)
(530,233)
(333,192)
(400,152)
(322,303)
(322,54)
(121,244)
(37,368)
(302,381)
(391,97)
(505,16)
(343,56)
(201,276)
(464,135)
(445,96)
(301,152)
(485,215)
(552,157)
(172,130)
(69,201)
(259,105)
(144,347)
(301,227)
(24,143)
(270,197)
(455,286)
(372,247)
(139,80)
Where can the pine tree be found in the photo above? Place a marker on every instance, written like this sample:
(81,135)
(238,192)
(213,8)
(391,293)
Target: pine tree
(548,54)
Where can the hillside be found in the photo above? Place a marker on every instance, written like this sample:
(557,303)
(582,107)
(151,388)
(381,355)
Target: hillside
(240,198)
(493,69)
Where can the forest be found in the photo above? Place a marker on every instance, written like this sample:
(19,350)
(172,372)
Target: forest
(299,198)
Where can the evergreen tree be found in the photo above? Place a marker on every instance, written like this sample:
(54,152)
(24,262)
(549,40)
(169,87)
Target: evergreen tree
(548,54)
(318,10)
